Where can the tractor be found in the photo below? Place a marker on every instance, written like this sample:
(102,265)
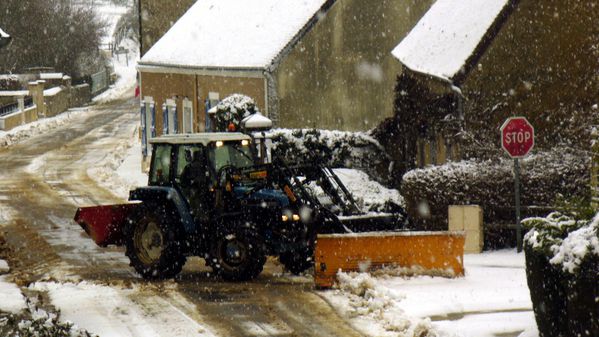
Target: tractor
(215,195)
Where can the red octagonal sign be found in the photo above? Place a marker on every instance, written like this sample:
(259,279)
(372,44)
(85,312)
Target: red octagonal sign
(517,136)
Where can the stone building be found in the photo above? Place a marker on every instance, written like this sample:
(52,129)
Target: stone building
(157,17)
(323,63)
(537,59)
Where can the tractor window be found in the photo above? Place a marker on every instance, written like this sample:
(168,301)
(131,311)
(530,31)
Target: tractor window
(232,153)
(161,163)
(184,157)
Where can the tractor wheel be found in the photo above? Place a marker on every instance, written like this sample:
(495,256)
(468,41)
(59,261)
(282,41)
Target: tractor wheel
(237,255)
(153,244)
(297,263)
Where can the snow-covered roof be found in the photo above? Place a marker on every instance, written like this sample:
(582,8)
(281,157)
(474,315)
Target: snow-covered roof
(238,34)
(447,35)
(51,76)
(3,34)
(204,138)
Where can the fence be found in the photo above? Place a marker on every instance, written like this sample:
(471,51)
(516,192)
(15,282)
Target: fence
(100,82)
(14,107)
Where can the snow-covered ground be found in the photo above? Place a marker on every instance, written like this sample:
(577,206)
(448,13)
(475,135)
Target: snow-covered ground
(491,300)
(11,299)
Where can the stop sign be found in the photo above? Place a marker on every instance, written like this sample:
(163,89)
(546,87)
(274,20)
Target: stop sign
(517,136)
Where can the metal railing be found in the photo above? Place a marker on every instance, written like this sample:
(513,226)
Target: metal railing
(8,109)
(14,107)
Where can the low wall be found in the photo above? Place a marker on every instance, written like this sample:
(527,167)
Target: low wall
(80,95)
(15,119)
(56,102)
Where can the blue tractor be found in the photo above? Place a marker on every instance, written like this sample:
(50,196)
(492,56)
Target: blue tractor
(211,195)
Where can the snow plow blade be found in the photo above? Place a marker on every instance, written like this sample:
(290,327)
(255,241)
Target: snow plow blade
(430,253)
(104,223)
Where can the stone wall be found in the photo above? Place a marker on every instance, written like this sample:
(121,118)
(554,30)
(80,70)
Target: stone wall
(80,95)
(57,103)
(157,17)
(341,75)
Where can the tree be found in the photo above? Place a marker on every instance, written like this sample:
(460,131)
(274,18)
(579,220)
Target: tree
(51,33)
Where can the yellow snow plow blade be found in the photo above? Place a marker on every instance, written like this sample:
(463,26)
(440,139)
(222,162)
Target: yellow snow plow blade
(428,253)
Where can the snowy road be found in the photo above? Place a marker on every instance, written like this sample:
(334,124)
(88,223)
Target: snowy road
(45,178)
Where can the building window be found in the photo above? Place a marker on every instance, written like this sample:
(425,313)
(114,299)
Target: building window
(187,116)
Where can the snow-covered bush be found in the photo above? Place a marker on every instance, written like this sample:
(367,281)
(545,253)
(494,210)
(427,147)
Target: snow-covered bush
(566,241)
(562,264)
(35,321)
(232,110)
(332,148)
(490,184)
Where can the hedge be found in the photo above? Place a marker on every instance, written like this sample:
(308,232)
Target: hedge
(490,184)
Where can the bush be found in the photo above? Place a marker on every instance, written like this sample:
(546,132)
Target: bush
(490,184)
(332,148)
(562,264)
(232,110)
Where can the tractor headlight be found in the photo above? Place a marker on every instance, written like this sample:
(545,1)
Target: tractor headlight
(295,217)
(284,218)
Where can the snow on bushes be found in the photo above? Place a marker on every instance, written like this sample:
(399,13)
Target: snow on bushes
(232,110)
(490,184)
(35,321)
(332,148)
(566,241)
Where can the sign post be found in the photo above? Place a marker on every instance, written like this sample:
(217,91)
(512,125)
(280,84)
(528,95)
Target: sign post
(517,139)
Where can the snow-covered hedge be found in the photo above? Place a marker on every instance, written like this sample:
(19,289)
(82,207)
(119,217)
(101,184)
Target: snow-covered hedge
(562,264)
(566,241)
(490,184)
(332,148)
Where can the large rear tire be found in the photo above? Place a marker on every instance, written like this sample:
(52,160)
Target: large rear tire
(237,255)
(153,243)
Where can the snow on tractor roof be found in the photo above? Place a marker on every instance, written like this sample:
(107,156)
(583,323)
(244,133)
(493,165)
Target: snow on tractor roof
(447,35)
(3,34)
(237,34)
(200,138)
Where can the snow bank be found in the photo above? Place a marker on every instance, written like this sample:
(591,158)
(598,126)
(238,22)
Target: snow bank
(491,299)
(109,311)
(119,171)
(26,131)
(11,299)
(127,75)
(367,301)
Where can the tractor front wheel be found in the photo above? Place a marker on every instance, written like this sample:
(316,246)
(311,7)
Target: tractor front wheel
(237,255)
(153,244)
(297,262)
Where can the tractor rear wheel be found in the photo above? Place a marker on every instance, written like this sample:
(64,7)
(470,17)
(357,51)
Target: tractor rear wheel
(237,255)
(153,243)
